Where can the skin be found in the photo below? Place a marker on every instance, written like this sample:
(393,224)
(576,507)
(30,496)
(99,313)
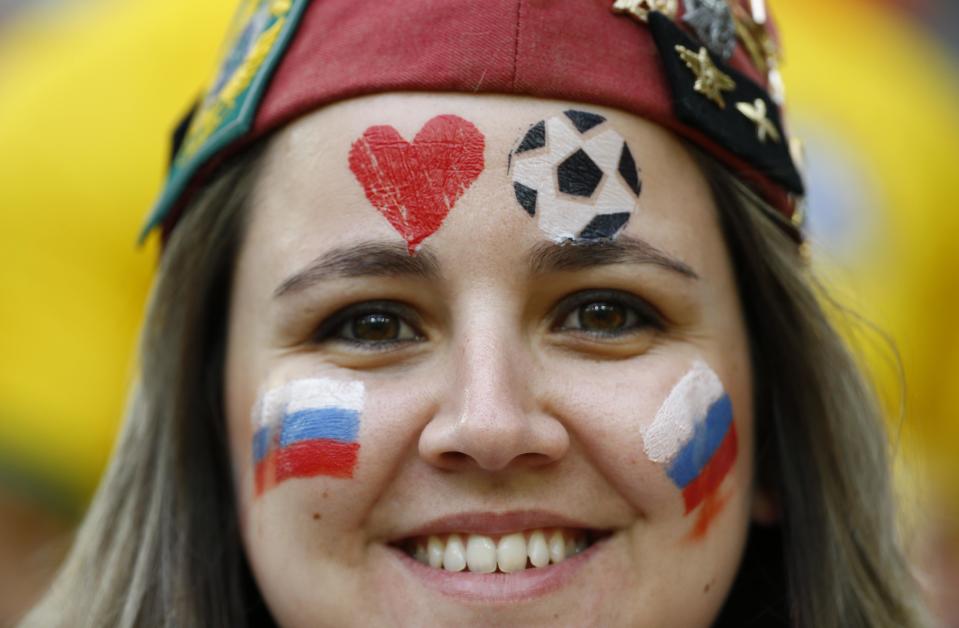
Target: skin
(498,403)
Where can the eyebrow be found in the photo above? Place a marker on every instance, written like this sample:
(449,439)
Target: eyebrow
(572,256)
(382,259)
(367,259)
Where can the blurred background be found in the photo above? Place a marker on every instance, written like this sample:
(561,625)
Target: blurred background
(90,91)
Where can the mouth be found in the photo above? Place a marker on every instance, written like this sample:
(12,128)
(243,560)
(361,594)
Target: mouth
(510,552)
(499,558)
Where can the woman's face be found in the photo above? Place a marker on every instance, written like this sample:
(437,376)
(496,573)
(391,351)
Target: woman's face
(497,347)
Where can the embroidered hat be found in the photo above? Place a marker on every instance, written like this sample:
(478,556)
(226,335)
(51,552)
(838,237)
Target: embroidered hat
(706,69)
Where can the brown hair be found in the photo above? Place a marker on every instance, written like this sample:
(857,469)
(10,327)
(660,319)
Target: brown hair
(160,544)
(821,449)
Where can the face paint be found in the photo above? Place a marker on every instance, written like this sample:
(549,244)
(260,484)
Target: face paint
(415,185)
(576,177)
(306,428)
(694,437)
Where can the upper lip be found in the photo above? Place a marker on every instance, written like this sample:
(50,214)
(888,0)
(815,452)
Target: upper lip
(492,523)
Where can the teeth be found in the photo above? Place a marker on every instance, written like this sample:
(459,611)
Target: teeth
(538,550)
(512,552)
(481,554)
(581,545)
(573,548)
(454,558)
(434,552)
(557,547)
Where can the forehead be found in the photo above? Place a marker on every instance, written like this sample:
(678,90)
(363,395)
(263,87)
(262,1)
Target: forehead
(324,186)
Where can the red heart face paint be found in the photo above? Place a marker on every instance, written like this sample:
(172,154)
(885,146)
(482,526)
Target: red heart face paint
(416,184)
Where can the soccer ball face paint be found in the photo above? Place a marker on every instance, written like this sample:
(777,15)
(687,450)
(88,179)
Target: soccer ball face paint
(576,176)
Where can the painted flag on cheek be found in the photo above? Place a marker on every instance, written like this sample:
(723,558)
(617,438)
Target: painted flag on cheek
(694,437)
(305,429)
(704,461)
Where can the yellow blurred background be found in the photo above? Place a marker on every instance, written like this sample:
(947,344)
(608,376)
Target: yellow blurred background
(90,91)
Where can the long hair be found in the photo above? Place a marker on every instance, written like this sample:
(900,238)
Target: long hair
(821,450)
(160,544)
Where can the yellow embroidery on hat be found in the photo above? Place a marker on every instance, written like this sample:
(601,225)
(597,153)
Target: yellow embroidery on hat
(241,80)
(640,9)
(222,100)
(757,113)
(711,82)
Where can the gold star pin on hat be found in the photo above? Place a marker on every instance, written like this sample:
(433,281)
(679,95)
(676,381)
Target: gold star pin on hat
(711,82)
(756,39)
(640,9)
(757,113)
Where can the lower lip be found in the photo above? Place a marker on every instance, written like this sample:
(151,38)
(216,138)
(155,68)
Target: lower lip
(499,587)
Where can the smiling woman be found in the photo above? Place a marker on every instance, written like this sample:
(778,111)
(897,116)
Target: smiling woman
(507,383)
(547,363)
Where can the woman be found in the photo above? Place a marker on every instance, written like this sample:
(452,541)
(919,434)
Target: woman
(490,314)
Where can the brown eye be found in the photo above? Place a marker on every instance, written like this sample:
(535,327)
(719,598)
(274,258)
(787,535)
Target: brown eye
(602,317)
(375,327)
(607,314)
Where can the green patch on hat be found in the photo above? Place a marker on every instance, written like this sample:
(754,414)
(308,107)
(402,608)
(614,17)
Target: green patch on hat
(261,31)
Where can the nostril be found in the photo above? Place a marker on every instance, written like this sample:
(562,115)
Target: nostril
(532,459)
(454,459)
(459,460)
(458,441)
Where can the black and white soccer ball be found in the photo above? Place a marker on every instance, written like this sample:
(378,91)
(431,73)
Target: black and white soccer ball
(576,177)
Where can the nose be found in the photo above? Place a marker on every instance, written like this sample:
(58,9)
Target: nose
(489,417)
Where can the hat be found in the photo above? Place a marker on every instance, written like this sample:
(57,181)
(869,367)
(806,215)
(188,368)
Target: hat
(705,69)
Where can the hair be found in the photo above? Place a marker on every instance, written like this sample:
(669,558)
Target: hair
(160,545)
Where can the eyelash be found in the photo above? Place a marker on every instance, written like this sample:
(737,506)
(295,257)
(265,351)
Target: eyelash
(332,328)
(640,316)
(644,315)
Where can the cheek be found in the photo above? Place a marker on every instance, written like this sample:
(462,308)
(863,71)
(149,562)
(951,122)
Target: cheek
(665,435)
(311,452)
(344,437)
(306,428)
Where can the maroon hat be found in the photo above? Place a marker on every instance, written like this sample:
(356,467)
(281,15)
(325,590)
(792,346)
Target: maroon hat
(705,69)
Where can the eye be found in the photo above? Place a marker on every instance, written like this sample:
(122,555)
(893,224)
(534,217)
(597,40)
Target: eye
(607,314)
(373,325)
(376,327)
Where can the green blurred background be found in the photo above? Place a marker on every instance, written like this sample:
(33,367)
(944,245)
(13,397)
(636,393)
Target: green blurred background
(90,90)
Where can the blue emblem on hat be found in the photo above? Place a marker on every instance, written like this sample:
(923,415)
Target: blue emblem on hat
(261,31)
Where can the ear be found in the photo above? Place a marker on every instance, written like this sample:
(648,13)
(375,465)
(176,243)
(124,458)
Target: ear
(766,510)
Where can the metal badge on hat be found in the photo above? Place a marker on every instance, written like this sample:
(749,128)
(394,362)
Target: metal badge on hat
(703,82)
(752,30)
(640,9)
(711,82)
(702,85)
(713,23)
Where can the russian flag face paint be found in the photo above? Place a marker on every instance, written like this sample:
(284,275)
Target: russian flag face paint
(306,428)
(694,437)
